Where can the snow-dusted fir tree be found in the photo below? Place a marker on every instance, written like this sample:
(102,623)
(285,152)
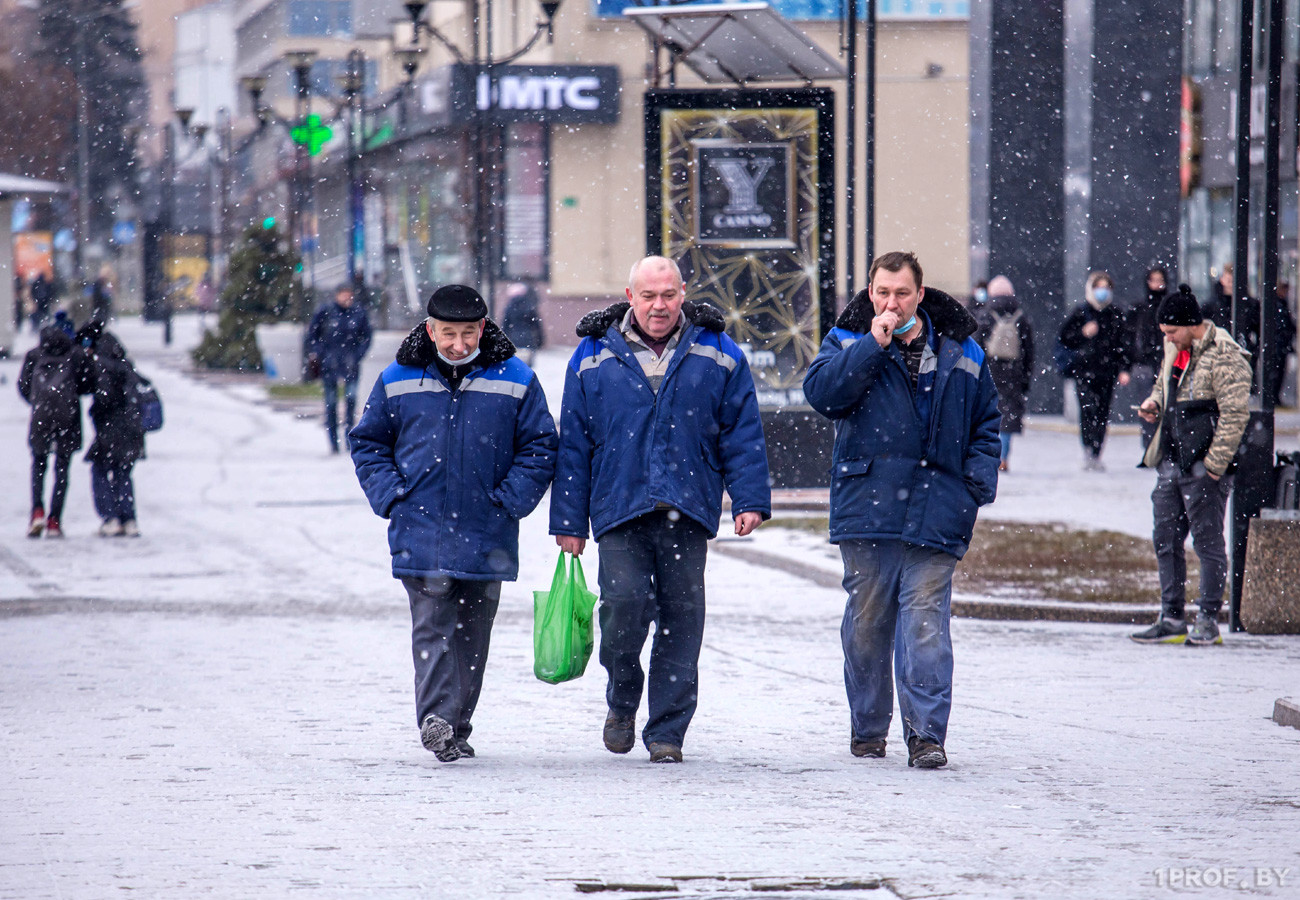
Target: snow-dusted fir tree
(260,287)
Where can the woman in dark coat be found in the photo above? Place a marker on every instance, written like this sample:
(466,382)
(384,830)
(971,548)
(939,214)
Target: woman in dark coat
(1007,337)
(523,321)
(119,438)
(1098,350)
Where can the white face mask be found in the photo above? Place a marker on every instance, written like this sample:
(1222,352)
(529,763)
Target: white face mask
(473,354)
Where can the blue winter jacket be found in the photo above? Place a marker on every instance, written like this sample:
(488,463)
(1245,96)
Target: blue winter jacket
(340,338)
(896,475)
(626,450)
(455,471)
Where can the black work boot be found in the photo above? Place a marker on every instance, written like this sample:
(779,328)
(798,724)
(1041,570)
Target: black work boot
(620,732)
(663,752)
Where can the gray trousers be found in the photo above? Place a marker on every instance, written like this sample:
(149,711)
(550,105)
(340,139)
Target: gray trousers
(451,624)
(1181,504)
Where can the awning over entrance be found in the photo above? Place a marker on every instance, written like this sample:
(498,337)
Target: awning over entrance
(12,185)
(738,43)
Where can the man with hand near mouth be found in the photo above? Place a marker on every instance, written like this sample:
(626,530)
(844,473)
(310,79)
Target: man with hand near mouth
(916,454)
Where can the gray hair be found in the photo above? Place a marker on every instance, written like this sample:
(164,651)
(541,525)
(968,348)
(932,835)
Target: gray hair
(658,260)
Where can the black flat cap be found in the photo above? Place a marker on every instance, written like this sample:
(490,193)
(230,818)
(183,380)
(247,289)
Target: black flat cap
(457,303)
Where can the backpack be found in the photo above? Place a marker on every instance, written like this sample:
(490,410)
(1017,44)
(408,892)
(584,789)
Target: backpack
(54,393)
(144,397)
(1004,338)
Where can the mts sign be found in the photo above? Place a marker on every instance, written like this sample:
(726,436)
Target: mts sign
(560,94)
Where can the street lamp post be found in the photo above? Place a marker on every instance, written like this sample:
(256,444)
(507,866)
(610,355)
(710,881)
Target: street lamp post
(353,84)
(484,138)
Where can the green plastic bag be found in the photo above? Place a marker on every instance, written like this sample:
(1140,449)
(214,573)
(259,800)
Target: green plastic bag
(562,632)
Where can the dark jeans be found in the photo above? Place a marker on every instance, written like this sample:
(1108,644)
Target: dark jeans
(40,462)
(900,603)
(111,488)
(1094,411)
(652,570)
(331,386)
(1189,503)
(451,625)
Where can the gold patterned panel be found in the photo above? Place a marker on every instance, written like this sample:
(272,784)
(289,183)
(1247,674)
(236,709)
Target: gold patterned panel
(770,295)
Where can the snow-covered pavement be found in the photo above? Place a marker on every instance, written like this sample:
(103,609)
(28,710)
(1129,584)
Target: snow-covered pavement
(223,708)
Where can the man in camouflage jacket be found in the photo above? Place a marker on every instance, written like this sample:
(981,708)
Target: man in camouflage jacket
(1201,402)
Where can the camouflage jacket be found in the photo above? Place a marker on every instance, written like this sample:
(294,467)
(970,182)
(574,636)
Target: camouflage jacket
(1219,370)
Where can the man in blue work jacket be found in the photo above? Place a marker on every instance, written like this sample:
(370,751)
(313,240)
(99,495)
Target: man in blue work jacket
(454,447)
(916,454)
(659,413)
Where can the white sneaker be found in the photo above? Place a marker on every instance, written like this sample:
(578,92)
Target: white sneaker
(110,528)
(130,529)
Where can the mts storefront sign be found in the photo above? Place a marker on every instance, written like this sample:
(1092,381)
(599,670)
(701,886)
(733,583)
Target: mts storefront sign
(566,95)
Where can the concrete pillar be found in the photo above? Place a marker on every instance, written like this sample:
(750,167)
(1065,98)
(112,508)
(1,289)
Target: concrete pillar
(6,280)
(1018,164)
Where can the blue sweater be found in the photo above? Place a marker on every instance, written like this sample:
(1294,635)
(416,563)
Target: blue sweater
(909,466)
(455,471)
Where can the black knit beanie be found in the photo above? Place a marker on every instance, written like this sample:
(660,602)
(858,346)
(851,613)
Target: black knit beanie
(1180,309)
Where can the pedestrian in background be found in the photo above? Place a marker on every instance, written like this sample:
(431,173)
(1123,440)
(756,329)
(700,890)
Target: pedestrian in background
(979,296)
(338,338)
(916,454)
(119,436)
(454,447)
(43,293)
(1007,336)
(1282,342)
(101,295)
(1148,341)
(1201,402)
(54,375)
(523,320)
(20,302)
(1096,349)
(659,414)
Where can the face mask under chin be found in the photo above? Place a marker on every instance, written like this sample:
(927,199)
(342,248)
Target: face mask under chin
(473,354)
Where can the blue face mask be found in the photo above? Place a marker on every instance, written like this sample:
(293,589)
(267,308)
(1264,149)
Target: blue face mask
(906,326)
(1101,295)
(981,295)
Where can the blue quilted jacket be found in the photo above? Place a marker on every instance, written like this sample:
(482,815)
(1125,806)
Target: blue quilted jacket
(908,466)
(455,471)
(626,450)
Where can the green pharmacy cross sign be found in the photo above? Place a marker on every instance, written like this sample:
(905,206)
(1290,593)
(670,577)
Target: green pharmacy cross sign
(311,133)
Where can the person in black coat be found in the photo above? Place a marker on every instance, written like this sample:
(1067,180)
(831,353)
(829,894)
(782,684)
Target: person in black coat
(54,376)
(338,338)
(1148,340)
(523,321)
(1007,336)
(1098,349)
(43,293)
(119,437)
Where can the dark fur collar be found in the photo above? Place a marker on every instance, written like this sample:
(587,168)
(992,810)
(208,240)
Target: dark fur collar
(418,350)
(948,317)
(595,324)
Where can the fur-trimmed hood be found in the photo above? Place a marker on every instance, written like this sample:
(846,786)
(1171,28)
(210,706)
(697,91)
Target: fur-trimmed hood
(595,324)
(948,317)
(418,349)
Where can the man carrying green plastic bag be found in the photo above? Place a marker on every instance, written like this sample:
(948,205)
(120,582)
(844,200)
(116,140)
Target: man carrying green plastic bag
(562,632)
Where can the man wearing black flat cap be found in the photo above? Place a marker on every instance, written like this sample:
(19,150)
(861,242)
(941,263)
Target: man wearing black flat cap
(1201,402)
(454,447)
